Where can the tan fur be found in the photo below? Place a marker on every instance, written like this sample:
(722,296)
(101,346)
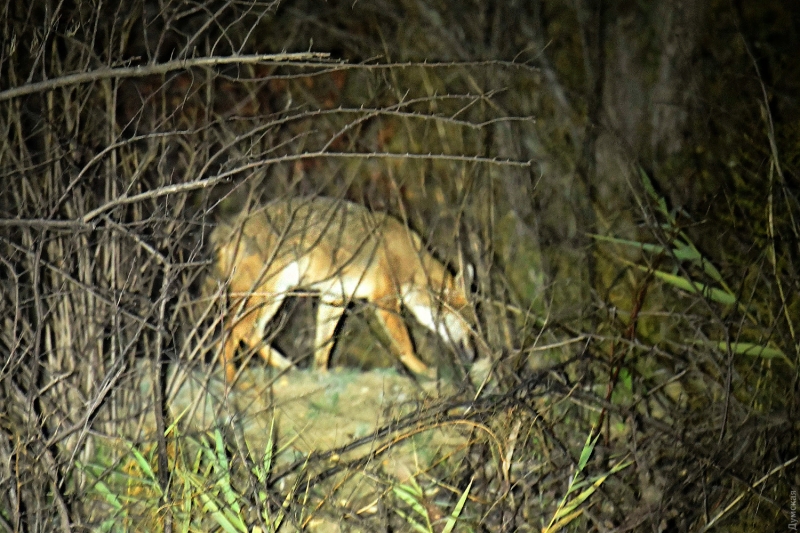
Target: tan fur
(342,251)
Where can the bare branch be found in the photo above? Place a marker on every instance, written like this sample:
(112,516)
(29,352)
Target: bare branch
(159,68)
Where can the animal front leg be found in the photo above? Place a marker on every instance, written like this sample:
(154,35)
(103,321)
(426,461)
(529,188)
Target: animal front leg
(238,329)
(269,354)
(398,333)
(328,317)
(248,327)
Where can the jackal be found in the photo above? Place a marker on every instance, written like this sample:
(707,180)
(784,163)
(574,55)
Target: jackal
(340,251)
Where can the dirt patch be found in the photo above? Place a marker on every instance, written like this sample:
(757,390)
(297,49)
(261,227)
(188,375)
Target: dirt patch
(304,414)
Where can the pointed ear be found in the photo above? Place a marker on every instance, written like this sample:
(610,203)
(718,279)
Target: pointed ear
(465,276)
(466,273)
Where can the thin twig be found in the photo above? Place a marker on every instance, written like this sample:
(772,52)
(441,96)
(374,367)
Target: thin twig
(205,183)
(107,73)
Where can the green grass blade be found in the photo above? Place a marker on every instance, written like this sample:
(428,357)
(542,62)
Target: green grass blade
(144,464)
(695,287)
(750,349)
(586,452)
(109,496)
(453,518)
(222,466)
(219,517)
(411,496)
(648,186)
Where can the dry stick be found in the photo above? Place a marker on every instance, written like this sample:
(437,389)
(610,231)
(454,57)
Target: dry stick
(44,453)
(775,164)
(298,59)
(750,489)
(459,411)
(160,408)
(617,362)
(208,182)
(142,71)
(84,286)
